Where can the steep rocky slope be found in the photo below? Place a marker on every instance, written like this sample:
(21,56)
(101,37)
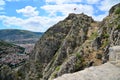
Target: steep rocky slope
(74,44)
(106,71)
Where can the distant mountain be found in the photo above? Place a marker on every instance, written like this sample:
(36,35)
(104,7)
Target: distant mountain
(19,36)
(23,38)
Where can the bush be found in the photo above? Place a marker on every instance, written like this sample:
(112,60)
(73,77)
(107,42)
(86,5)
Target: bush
(93,35)
(105,43)
(118,27)
(106,35)
(79,62)
(57,68)
(117,11)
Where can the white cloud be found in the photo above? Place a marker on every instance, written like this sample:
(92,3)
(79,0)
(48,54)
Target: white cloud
(28,11)
(36,23)
(2,2)
(12,0)
(62,1)
(100,17)
(65,9)
(93,1)
(107,4)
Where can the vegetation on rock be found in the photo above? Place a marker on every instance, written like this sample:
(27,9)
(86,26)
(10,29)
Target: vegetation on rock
(73,44)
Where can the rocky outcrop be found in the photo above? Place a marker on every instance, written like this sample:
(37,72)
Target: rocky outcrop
(110,69)
(76,43)
(106,71)
(62,42)
(73,44)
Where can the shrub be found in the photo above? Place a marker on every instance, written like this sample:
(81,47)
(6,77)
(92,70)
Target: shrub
(93,35)
(79,62)
(106,35)
(105,43)
(57,68)
(117,11)
(118,27)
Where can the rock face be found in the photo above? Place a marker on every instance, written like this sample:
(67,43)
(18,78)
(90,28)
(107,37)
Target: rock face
(73,44)
(106,71)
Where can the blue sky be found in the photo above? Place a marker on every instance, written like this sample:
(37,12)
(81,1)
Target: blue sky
(39,15)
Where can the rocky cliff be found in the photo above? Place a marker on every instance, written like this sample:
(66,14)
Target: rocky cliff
(110,69)
(75,43)
(106,71)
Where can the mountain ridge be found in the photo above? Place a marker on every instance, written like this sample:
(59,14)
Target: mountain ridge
(14,34)
(71,45)
(84,43)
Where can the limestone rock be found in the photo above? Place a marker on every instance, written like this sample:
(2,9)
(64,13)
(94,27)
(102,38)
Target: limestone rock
(73,44)
(106,71)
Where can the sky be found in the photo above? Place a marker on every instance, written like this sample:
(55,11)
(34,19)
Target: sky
(39,15)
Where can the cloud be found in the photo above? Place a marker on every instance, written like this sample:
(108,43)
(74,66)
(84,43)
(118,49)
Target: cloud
(56,11)
(2,3)
(28,11)
(93,1)
(107,4)
(37,23)
(12,0)
(62,1)
(65,9)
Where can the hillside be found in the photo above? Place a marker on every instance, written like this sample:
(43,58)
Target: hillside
(110,69)
(19,36)
(26,39)
(75,43)
(71,45)
(11,54)
(11,57)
